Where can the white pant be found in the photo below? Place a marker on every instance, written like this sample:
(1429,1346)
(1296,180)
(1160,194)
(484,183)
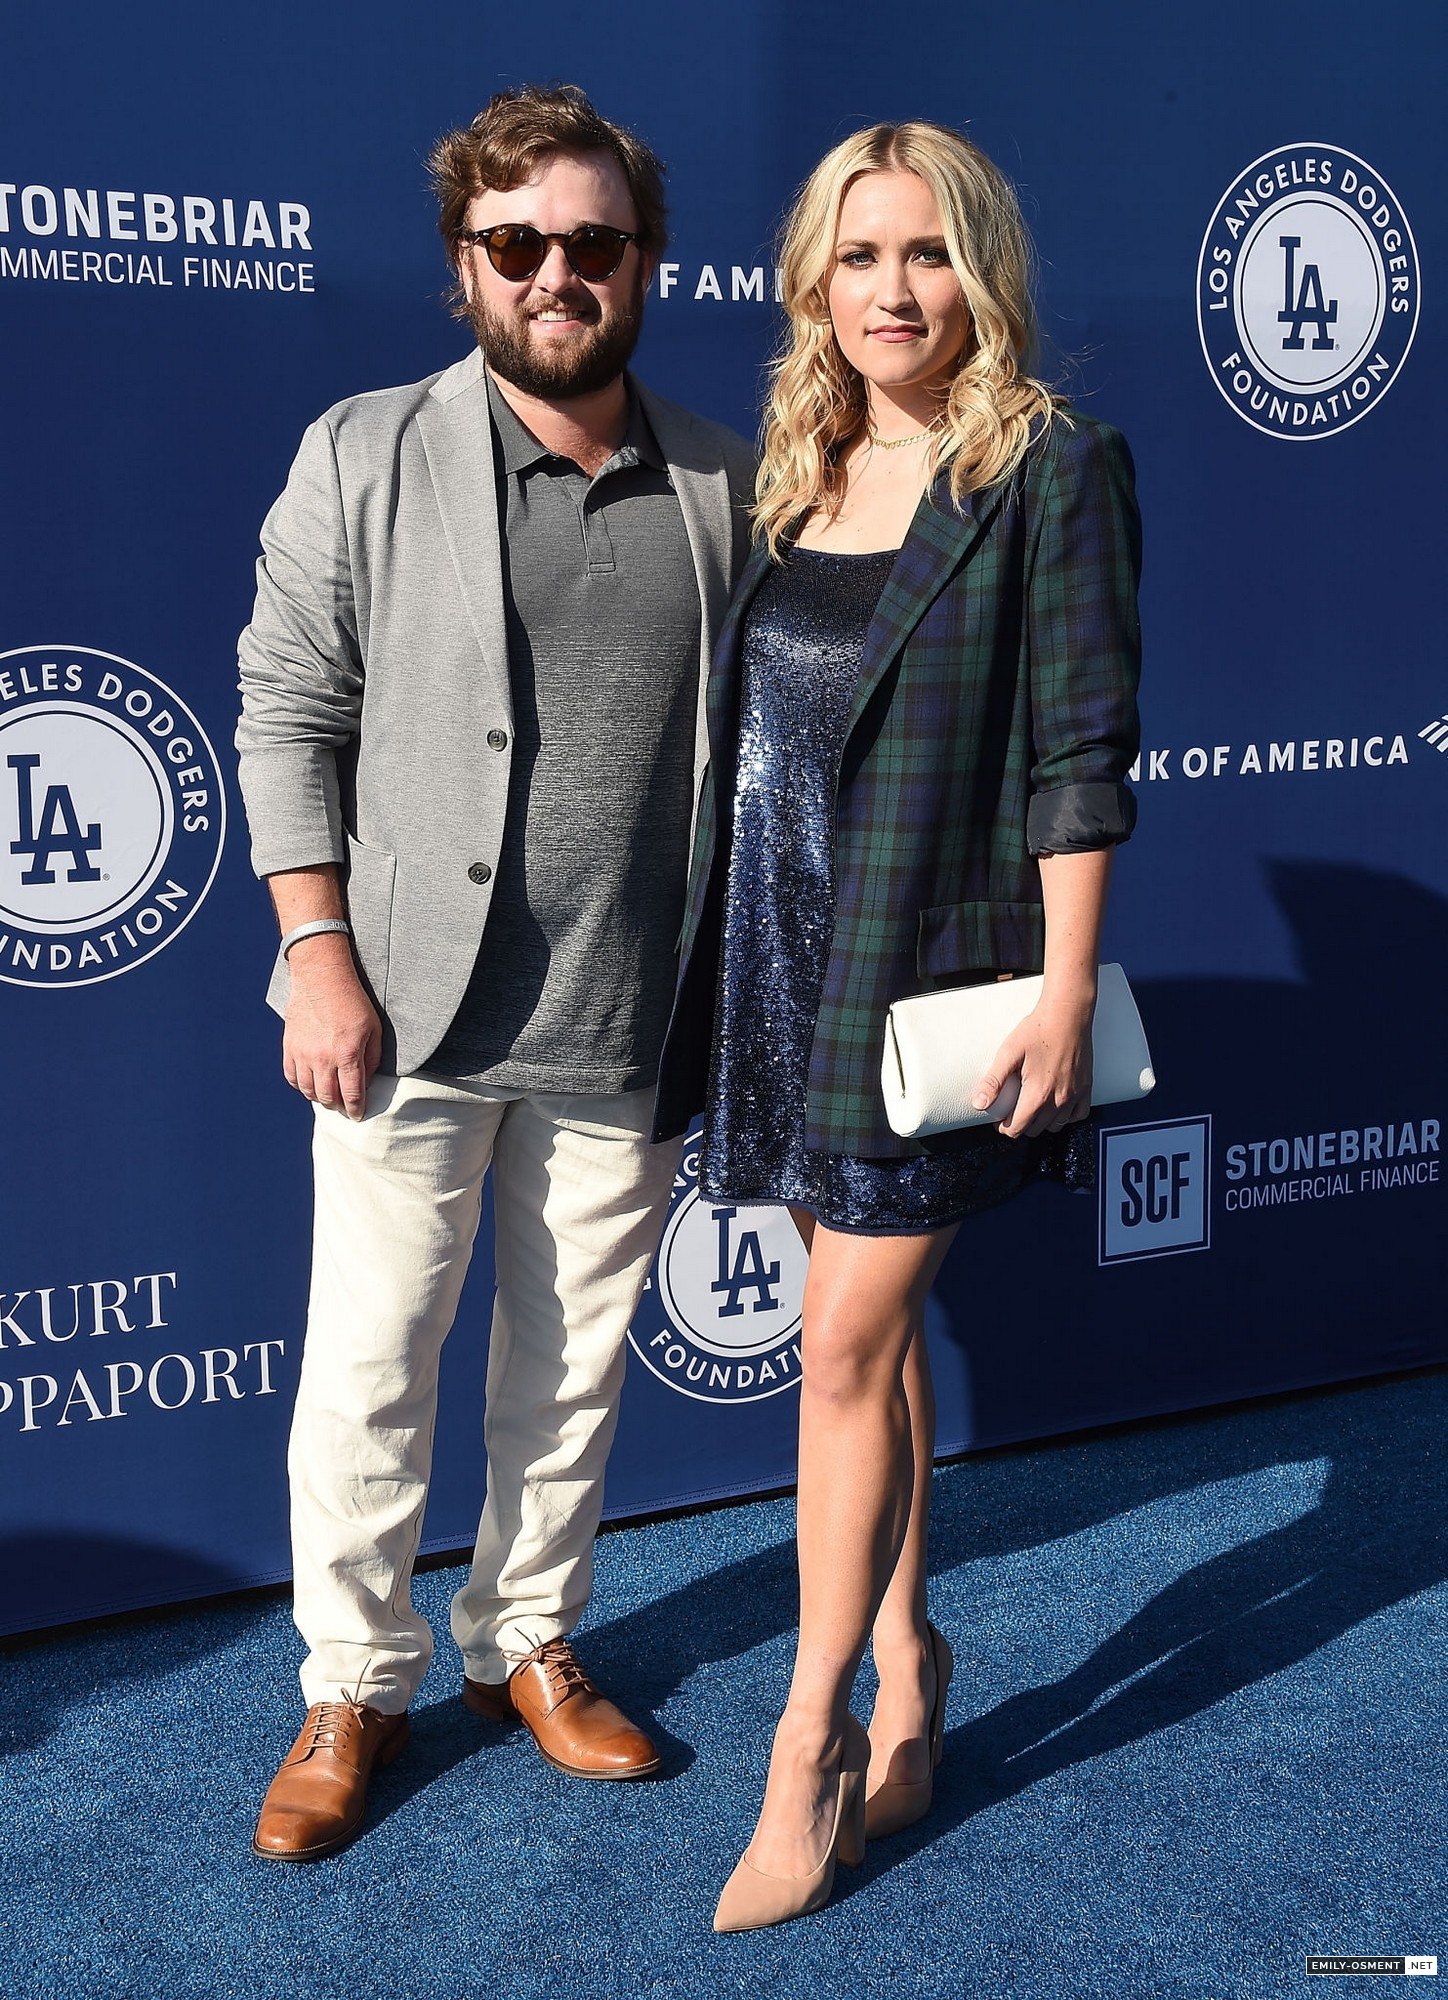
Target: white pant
(579,1198)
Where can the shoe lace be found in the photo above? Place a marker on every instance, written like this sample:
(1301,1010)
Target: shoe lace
(329,1723)
(562,1672)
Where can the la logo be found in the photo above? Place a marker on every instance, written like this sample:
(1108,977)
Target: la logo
(742,1269)
(56,830)
(1303,305)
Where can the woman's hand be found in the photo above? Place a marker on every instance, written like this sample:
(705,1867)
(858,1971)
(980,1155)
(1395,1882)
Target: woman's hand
(1050,1053)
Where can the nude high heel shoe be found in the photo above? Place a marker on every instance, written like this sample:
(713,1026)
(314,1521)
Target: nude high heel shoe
(891,1806)
(752,1899)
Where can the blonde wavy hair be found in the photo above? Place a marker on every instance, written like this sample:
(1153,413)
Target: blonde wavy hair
(817,406)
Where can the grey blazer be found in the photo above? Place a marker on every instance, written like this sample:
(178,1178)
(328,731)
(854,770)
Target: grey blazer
(374,673)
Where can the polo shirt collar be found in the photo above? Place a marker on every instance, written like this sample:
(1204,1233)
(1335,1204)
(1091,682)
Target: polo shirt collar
(521,449)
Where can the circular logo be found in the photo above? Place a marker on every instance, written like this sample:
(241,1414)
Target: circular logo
(1307,291)
(112,815)
(721,1317)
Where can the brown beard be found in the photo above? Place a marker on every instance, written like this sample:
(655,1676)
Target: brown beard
(597,360)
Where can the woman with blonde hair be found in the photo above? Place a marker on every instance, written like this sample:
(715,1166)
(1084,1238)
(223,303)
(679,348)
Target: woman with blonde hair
(922,713)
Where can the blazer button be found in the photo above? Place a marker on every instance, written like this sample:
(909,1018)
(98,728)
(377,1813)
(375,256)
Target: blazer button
(497,739)
(479,872)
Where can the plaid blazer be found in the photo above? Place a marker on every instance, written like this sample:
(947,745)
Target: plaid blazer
(994,721)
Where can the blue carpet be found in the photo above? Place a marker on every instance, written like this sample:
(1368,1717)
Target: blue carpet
(1193,1736)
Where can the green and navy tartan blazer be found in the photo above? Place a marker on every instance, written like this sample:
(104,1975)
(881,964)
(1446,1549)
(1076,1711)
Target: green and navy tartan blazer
(994,721)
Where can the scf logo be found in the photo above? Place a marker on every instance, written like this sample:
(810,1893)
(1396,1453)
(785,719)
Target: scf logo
(1155,1183)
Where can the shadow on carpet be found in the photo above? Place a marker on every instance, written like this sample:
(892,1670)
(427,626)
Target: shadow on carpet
(1193,1736)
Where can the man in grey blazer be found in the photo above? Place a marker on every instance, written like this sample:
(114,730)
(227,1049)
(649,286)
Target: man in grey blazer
(471,743)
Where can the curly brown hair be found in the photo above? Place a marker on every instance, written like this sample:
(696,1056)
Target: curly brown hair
(508,140)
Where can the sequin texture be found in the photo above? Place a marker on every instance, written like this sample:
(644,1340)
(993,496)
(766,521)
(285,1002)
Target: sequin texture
(801,657)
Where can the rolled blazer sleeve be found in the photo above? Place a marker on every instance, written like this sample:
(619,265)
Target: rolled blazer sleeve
(301,669)
(1084,636)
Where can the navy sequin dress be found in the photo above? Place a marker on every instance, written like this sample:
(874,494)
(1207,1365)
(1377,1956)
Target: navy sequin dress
(802,649)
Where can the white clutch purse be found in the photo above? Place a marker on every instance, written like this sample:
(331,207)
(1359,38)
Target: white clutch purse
(938,1046)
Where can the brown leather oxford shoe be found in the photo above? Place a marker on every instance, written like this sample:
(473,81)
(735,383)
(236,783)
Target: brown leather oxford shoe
(315,1803)
(577,1729)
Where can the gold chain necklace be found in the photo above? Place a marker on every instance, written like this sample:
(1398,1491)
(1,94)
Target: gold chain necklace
(899,444)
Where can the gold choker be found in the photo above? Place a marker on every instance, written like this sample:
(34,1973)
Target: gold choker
(899,444)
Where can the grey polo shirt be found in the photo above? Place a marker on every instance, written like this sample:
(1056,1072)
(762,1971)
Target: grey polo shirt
(575,974)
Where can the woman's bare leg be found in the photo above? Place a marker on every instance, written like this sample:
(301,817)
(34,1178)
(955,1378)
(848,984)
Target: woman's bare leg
(900,1724)
(864,1301)
(899,1727)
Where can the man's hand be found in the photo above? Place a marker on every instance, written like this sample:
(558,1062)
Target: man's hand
(332,1042)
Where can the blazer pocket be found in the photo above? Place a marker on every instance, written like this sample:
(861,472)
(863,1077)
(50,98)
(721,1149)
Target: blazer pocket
(983,937)
(371,883)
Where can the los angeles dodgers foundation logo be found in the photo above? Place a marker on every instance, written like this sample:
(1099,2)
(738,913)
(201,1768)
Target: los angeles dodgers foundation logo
(721,1318)
(1307,291)
(112,815)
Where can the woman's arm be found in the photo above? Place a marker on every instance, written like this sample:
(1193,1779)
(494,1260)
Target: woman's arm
(1085,651)
(1051,1048)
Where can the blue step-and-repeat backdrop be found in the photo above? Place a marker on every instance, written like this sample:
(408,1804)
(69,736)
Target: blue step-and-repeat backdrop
(215,223)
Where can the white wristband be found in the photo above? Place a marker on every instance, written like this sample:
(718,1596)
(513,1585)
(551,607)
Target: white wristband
(314,929)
